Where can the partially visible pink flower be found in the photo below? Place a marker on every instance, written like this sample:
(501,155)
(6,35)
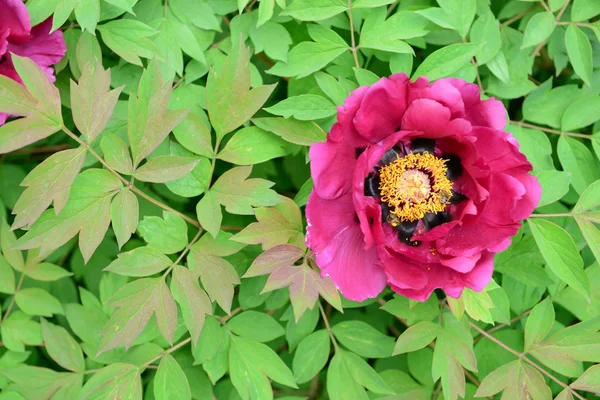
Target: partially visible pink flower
(416,187)
(18,37)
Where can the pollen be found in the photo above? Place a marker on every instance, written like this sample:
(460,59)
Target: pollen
(415,185)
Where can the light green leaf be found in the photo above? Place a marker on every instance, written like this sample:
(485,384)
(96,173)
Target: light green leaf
(36,301)
(229,100)
(583,112)
(539,28)
(311,356)
(460,13)
(256,326)
(445,61)
(209,213)
(584,9)
(124,215)
(87,13)
(194,135)
(196,181)
(170,382)
(167,234)
(46,272)
(363,339)
(19,330)
(252,145)
(561,254)
(305,107)
(539,323)
(62,347)
(161,169)
(589,381)
(498,379)
(142,261)
(315,10)
(117,380)
(579,50)
(7,277)
(478,305)
(116,154)
(486,31)
(555,184)
(416,337)
(129,39)
(304,133)
(577,159)
(591,234)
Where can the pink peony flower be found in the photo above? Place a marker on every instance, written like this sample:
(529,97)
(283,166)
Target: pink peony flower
(18,37)
(417,186)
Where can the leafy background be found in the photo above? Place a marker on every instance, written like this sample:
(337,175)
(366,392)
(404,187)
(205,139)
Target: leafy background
(152,203)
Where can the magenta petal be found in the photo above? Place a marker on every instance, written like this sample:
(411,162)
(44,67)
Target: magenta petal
(441,91)
(356,272)
(14,16)
(529,200)
(330,164)
(382,107)
(427,116)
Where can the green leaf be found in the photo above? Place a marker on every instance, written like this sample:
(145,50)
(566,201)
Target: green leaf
(252,145)
(50,181)
(460,14)
(62,347)
(381,34)
(167,234)
(547,106)
(36,301)
(194,135)
(250,363)
(196,181)
(315,10)
(579,50)
(7,277)
(200,14)
(561,254)
(539,323)
(161,169)
(129,39)
(538,29)
(239,194)
(137,301)
(209,213)
(116,154)
(283,255)
(63,10)
(304,133)
(486,31)
(42,383)
(308,57)
(117,380)
(363,339)
(24,131)
(19,330)
(46,272)
(229,100)
(192,300)
(591,234)
(583,112)
(416,337)
(124,215)
(577,159)
(92,102)
(139,262)
(446,61)
(87,13)
(306,107)
(7,242)
(589,381)
(170,381)
(584,9)
(272,39)
(589,199)
(498,380)
(15,99)
(256,326)
(555,184)
(478,305)
(311,356)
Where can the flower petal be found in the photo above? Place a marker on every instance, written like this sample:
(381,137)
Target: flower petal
(14,16)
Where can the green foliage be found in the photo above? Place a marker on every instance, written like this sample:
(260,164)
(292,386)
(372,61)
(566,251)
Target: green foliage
(152,230)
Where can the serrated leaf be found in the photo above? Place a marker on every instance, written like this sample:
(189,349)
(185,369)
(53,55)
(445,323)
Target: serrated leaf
(137,301)
(62,347)
(117,380)
(170,382)
(92,101)
(192,300)
(161,169)
(87,212)
(416,337)
(167,234)
(561,254)
(446,61)
(36,301)
(50,181)
(229,100)
(124,215)
(139,262)
(252,145)
(283,255)
(239,194)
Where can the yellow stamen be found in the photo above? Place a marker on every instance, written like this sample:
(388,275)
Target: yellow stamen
(415,185)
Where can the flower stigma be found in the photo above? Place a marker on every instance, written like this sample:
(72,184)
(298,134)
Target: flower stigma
(415,185)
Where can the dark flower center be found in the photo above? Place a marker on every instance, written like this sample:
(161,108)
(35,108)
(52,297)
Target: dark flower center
(414,187)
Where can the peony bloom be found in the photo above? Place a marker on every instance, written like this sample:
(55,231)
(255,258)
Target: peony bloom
(417,186)
(18,37)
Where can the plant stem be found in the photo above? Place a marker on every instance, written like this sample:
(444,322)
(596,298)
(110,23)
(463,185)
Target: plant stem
(502,326)
(127,183)
(183,253)
(517,17)
(548,130)
(326,321)
(161,355)
(353,49)
(226,318)
(12,300)
(523,357)
(550,215)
